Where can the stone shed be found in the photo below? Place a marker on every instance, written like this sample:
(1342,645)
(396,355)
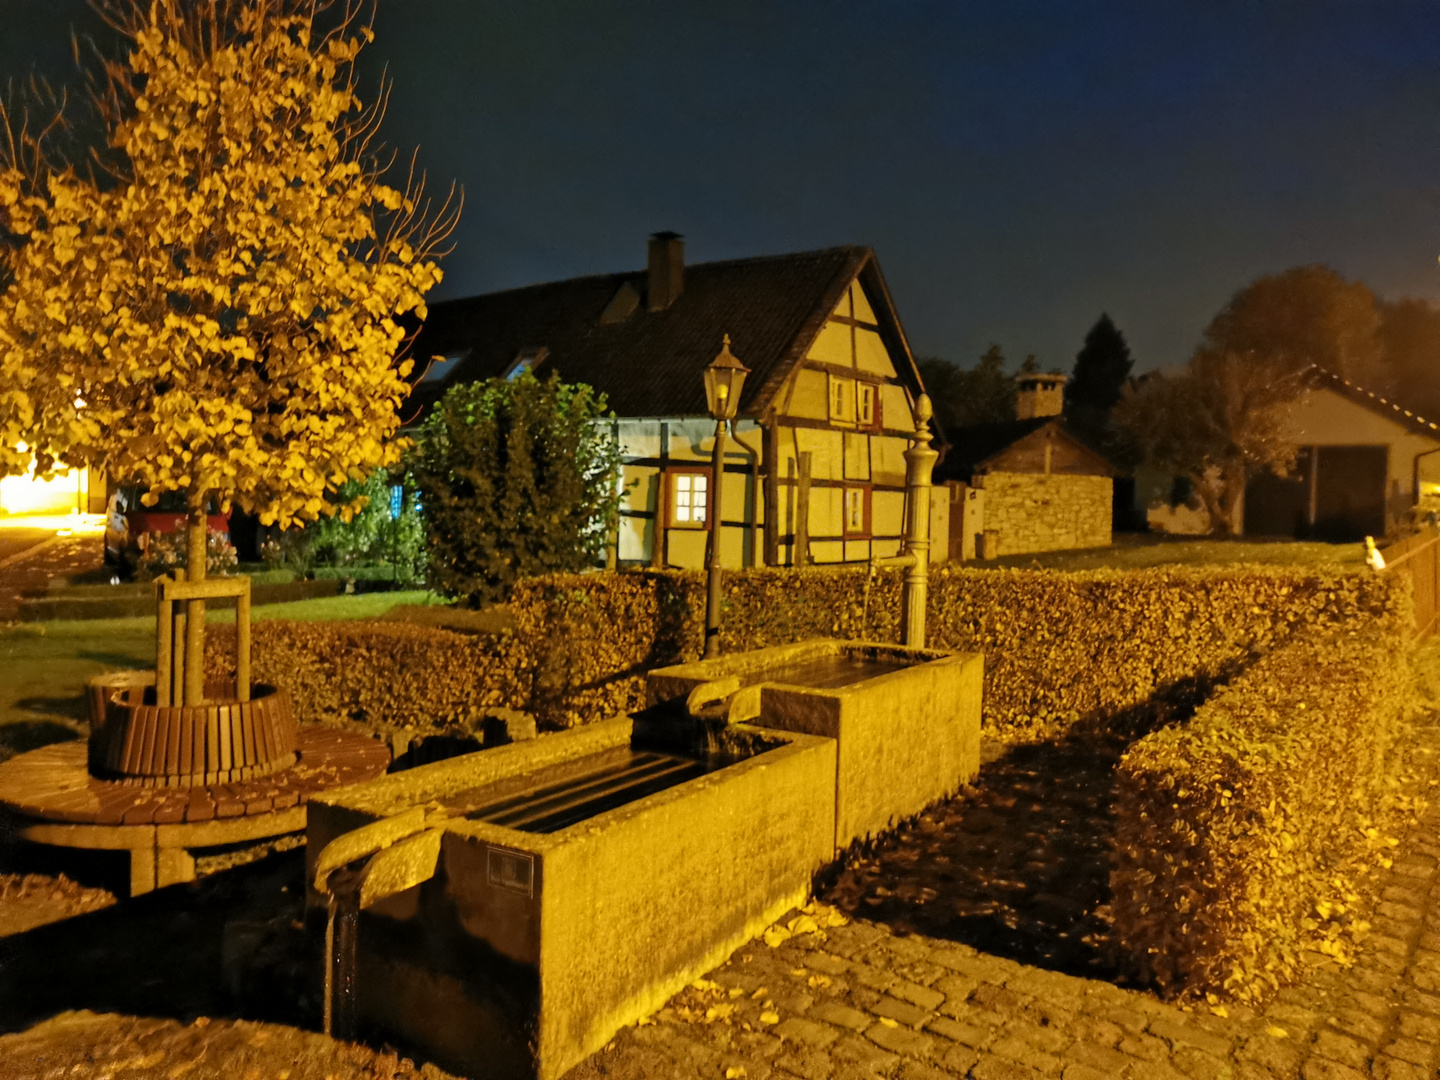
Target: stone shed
(1027,485)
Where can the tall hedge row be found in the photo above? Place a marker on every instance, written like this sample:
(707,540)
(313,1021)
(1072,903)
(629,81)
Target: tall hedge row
(1234,829)
(1060,649)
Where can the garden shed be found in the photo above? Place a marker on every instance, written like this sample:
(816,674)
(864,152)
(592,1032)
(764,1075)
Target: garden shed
(1029,484)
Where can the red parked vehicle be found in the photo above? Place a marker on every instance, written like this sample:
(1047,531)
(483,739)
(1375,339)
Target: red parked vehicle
(129,523)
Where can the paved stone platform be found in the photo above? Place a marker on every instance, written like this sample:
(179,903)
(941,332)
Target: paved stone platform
(973,945)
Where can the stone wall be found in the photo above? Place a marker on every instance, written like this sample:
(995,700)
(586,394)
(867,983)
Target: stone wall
(1035,512)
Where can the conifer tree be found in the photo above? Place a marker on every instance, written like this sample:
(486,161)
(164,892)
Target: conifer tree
(1098,378)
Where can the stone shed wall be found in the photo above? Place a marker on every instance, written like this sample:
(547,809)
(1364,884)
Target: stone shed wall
(1035,512)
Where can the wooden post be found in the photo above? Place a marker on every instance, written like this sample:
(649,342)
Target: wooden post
(242,642)
(772,493)
(164,645)
(196,543)
(801,555)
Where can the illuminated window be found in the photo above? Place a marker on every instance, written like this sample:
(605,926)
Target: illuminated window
(865,410)
(688,498)
(857,511)
(842,399)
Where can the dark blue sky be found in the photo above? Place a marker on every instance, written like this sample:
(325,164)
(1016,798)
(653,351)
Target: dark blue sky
(1018,166)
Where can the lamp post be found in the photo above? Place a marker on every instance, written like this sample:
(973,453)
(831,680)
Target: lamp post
(724,379)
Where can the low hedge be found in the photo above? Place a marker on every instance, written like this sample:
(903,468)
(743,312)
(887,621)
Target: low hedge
(1235,830)
(1061,649)
(384,675)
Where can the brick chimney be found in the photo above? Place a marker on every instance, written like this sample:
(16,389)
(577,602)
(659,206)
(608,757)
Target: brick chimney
(1039,395)
(667,269)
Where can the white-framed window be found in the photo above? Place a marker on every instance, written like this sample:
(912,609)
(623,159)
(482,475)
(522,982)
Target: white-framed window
(689,498)
(857,511)
(842,399)
(866,412)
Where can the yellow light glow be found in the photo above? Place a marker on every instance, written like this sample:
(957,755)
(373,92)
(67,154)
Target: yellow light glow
(68,524)
(62,494)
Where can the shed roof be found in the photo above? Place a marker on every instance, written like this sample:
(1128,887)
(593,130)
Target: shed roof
(976,446)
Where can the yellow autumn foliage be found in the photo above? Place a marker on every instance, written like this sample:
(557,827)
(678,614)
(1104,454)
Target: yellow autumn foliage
(225,317)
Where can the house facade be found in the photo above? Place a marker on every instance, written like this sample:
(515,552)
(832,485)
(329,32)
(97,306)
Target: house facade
(1027,485)
(815,472)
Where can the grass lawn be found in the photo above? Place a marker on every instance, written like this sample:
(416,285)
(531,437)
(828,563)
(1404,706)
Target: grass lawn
(46,665)
(1134,551)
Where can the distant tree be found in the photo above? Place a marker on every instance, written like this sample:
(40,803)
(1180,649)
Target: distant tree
(1410,342)
(984,394)
(1098,378)
(516,479)
(1301,316)
(1219,422)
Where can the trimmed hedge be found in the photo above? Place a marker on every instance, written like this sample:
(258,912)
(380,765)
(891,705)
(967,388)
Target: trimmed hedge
(1061,649)
(385,675)
(1235,830)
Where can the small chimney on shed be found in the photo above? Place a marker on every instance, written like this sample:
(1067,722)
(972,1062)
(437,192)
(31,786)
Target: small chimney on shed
(1039,395)
(667,269)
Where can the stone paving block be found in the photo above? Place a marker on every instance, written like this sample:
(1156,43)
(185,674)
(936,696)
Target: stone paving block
(1016,1048)
(873,977)
(922,972)
(1420,1001)
(1051,1040)
(998,998)
(914,1070)
(863,1053)
(909,949)
(1358,1024)
(1411,1050)
(969,963)
(958,1030)
(1342,1048)
(1400,912)
(1075,1071)
(1181,1034)
(956,987)
(1317,1068)
(827,963)
(809,1032)
(922,996)
(1422,1026)
(1198,1065)
(903,1011)
(901,1040)
(1390,1068)
(1103,1058)
(815,1065)
(960,1059)
(1152,1070)
(792,1001)
(1100,1031)
(1292,1016)
(1131,1023)
(833,1012)
(1404,894)
(996,1068)
(1146,1047)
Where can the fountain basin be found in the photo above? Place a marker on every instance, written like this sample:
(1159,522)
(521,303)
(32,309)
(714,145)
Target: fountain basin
(582,878)
(906,721)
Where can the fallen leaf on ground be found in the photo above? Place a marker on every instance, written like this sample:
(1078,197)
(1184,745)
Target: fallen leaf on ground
(1278,1032)
(888,1022)
(769,1018)
(776,936)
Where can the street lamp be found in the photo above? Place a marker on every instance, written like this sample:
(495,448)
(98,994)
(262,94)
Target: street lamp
(724,379)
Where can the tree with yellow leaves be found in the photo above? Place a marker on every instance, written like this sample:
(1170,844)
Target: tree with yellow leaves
(220,314)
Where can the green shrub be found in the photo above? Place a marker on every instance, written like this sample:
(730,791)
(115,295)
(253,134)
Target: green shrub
(1234,830)
(515,480)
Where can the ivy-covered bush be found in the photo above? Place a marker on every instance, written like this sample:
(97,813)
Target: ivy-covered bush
(1235,830)
(516,479)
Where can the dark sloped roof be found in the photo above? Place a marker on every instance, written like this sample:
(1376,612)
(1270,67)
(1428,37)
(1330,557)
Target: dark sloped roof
(1315,375)
(650,363)
(974,444)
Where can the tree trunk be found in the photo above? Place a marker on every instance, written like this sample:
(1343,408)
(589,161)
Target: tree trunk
(197,538)
(1213,499)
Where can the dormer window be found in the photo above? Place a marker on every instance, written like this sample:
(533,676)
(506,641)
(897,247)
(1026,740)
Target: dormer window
(440,367)
(526,360)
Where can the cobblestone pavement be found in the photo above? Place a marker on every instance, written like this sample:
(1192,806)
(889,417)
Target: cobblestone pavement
(977,950)
(30,572)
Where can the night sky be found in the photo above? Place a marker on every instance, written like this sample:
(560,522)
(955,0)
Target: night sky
(1019,167)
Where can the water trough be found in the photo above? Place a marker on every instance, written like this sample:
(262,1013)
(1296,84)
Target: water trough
(506,912)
